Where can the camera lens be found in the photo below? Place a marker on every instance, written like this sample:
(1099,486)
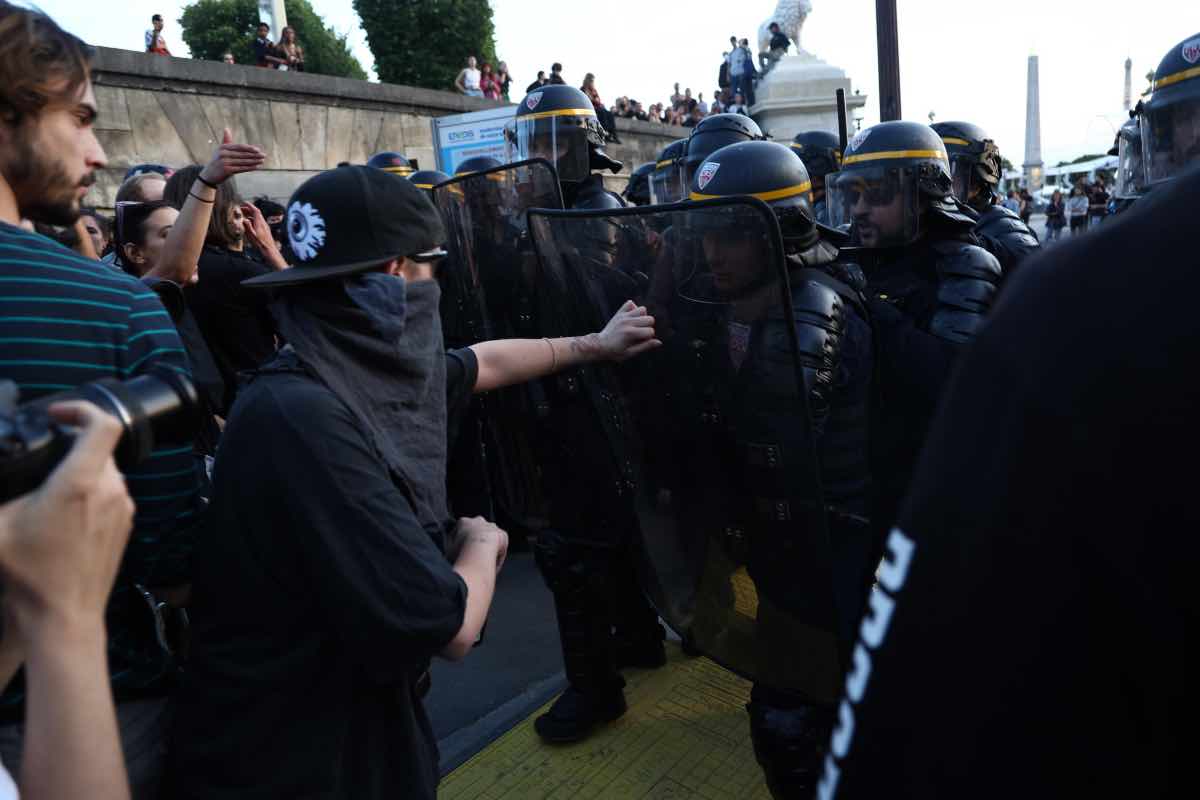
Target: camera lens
(160,407)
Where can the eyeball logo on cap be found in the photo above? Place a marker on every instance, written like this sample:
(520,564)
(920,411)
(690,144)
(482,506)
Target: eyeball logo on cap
(707,171)
(531,102)
(306,230)
(1191,50)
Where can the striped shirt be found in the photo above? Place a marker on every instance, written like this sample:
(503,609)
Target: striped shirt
(66,320)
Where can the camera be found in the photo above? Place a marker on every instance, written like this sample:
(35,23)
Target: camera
(155,408)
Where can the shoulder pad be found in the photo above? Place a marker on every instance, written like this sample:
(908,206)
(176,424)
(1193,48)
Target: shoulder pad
(820,314)
(1008,238)
(968,277)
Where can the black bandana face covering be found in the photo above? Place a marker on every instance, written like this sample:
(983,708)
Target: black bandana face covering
(375,341)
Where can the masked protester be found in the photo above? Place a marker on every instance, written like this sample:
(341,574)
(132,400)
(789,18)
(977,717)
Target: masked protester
(928,285)
(975,168)
(792,712)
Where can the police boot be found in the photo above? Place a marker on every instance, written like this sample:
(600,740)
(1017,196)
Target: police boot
(789,745)
(594,693)
(637,635)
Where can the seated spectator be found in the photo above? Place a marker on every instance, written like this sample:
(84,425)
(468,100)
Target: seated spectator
(290,51)
(235,321)
(86,323)
(155,43)
(467,81)
(227,57)
(607,121)
(694,116)
(637,112)
(539,83)
(621,108)
(656,113)
(488,83)
(264,49)
(778,48)
(556,74)
(60,547)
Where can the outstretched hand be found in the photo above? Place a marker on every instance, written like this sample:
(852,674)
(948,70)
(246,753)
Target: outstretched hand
(232,159)
(630,332)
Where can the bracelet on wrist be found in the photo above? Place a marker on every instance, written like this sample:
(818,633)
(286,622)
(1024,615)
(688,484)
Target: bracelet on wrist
(207,183)
(201,199)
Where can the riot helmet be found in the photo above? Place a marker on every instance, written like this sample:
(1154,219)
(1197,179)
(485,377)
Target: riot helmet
(891,173)
(1170,120)
(667,184)
(975,165)
(820,151)
(428,178)
(711,134)
(559,124)
(476,164)
(393,162)
(769,171)
(637,191)
(1130,182)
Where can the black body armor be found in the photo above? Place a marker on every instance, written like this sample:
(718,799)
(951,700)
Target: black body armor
(1006,237)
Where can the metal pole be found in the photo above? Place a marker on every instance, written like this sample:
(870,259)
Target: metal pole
(888,43)
(843,123)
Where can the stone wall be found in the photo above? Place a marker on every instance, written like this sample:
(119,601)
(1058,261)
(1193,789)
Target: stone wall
(172,111)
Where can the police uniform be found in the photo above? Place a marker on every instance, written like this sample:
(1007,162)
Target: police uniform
(637,191)
(790,724)
(584,555)
(391,161)
(929,286)
(428,178)
(666,182)
(1170,118)
(975,170)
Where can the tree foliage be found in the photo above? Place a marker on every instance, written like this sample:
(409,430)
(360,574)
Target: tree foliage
(212,28)
(426,42)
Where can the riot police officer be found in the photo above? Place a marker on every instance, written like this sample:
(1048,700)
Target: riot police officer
(821,153)
(711,134)
(585,556)
(558,123)
(391,161)
(790,724)
(666,182)
(929,286)
(1170,119)
(637,191)
(428,178)
(975,168)
(1129,183)
(476,164)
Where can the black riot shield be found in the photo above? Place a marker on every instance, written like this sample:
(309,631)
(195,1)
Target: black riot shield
(488,293)
(715,426)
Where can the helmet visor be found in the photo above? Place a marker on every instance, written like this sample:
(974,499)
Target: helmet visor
(561,139)
(1170,139)
(1130,177)
(963,178)
(881,204)
(667,184)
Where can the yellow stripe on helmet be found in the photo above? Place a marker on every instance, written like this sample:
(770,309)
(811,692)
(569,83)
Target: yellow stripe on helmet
(892,154)
(661,164)
(561,112)
(774,194)
(954,140)
(423,185)
(1176,77)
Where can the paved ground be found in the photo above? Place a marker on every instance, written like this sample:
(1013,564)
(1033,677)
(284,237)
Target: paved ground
(516,668)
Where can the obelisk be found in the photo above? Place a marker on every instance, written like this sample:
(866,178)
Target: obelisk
(1033,130)
(1128,102)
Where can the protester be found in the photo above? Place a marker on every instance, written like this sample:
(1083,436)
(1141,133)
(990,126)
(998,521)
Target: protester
(743,80)
(778,48)
(290,51)
(556,74)
(467,81)
(602,113)
(60,548)
(155,43)
(98,228)
(146,187)
(1077,209)
(67,320)
(1056,216)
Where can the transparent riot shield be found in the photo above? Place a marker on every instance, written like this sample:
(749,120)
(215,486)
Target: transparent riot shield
(714,426)
(488,293)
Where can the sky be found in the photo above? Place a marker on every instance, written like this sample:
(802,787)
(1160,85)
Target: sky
(964,60)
